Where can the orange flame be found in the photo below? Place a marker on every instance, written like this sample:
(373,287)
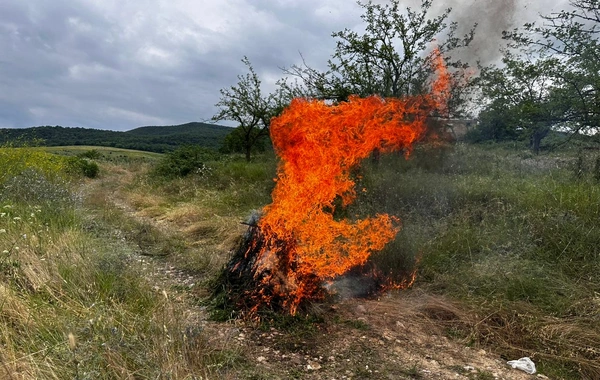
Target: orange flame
(318,145)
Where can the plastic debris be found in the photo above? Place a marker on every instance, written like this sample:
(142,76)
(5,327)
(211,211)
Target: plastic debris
(524,364)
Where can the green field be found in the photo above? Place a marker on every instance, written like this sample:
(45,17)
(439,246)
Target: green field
(109,277)
(106,153)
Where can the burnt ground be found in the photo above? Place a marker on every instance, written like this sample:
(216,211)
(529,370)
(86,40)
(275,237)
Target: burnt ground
(401,335)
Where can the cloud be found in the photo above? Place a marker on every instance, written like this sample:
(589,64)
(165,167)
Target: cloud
(114,64)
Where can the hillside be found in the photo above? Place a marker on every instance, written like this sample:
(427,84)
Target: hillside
(149,138)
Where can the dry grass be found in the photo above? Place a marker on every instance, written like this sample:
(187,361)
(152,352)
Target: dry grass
(76,300)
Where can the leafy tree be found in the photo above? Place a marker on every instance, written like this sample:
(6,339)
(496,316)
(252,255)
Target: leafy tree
(522,99)
(563,52)
(234,142)
(246,105)
(392,58)
(496,123)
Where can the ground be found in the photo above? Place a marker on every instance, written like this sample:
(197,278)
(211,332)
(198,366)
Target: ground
(406,334)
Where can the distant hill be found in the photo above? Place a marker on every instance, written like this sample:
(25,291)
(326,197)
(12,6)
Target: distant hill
(151,138)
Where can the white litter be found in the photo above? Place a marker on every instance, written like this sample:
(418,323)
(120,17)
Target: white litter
(524,364)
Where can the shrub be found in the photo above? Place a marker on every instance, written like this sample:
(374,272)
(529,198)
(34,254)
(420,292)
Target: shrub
(33,187)
(82,166)
(189,159)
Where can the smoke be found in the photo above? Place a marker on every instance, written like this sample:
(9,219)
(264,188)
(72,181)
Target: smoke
(492,18)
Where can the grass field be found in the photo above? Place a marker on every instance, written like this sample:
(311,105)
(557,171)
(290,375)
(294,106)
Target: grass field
(107,277)
(104,153)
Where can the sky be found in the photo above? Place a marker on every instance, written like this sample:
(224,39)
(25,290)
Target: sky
(122,64)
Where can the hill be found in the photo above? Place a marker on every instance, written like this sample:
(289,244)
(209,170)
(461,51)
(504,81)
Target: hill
(149,138)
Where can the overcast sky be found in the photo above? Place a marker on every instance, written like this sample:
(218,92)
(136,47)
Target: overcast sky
(121,64)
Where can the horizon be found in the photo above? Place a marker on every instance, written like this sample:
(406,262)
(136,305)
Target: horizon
(124,130)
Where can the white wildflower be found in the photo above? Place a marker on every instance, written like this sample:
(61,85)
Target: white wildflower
(16,218)
(2,231)
(5,252)
(3,214)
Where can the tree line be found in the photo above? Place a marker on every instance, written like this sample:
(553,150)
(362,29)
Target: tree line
(158,139)
(548,77)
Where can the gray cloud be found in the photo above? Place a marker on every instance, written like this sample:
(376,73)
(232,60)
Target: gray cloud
(117,65)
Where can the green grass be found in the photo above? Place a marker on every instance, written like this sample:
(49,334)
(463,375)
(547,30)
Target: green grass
(508,234)
(105,154)
(511,237)
(231,185)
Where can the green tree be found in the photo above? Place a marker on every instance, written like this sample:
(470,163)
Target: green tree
(564,50)
(521,99)
(246,105)
(392,58)
(235,141)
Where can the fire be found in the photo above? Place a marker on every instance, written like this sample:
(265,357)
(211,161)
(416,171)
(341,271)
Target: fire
(301,243)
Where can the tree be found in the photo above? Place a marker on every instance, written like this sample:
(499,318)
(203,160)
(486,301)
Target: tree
(392,58)
(234,142)
(570,40)
(522,99)
(246,105)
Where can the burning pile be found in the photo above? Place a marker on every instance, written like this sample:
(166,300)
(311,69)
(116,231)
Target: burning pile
(297,244)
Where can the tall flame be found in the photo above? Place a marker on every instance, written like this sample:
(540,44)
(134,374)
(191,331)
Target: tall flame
(319,145)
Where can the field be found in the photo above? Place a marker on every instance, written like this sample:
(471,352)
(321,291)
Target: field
(104,153)
(109,277)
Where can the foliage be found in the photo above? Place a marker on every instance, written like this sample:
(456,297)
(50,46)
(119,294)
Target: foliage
(572,38)
(14,161)
(83,166)
(92,154)
(189,159)
(550,78)
(245,104)
(392,58)
(235,141)
(523,99)
(496,123)
(33,187)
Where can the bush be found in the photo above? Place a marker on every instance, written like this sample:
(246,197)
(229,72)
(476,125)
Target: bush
(184,161)
(83,166)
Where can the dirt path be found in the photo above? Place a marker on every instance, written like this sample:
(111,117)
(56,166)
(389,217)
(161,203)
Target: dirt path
(403,335)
